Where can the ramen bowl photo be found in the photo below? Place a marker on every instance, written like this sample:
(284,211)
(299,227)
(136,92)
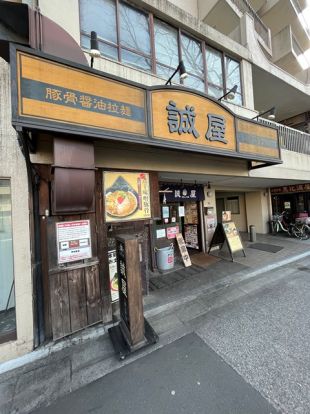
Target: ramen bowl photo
(121,203)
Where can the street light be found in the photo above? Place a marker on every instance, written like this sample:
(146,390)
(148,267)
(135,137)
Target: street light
(230,94)
(271,112)
(94,48)
(183,73)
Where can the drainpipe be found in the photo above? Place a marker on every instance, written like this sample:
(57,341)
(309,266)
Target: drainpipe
(33,185)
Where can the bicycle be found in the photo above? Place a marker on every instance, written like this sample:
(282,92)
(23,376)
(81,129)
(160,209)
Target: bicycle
(299,230)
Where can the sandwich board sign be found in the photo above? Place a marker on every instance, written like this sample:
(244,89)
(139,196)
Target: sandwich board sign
(227,232)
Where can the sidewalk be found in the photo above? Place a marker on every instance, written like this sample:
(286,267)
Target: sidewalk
(173,311)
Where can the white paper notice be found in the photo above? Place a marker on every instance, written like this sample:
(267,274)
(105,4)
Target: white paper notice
(73,241)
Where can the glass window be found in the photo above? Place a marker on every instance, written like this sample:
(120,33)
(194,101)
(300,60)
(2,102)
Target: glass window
(134,29)
(166,44)
(192,56)
(233,78)
(135,60)
(99,16)
(214,72)
(194,83)
(232,204)
(7,296)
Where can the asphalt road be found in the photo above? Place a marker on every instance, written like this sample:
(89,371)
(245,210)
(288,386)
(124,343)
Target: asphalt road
(249,356)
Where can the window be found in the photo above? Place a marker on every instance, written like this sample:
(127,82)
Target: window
(192,58)
(7,296)
(232,204)
(214,72)
(233,78)
(100,16)
(137,39)
(166,49)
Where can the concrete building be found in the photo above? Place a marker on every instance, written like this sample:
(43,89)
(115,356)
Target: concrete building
(260,46)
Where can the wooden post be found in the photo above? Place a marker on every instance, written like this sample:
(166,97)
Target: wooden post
(130,289)
(133,332)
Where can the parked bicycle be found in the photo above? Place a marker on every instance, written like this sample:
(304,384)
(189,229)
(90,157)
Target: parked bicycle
(299,230)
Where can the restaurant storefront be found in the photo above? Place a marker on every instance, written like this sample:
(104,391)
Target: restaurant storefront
(99,145)
(293,198)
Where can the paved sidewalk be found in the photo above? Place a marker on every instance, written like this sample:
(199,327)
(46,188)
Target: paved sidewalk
(52,371)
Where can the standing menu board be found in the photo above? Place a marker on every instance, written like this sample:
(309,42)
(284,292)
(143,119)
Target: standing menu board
(232,236)
(183,250)
(227,232)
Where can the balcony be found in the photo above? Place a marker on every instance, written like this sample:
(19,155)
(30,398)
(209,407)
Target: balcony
(291,139)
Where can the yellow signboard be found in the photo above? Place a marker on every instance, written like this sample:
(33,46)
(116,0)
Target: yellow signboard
(257,139)
(232,236)
(126,196)
(189,118)
(52,91)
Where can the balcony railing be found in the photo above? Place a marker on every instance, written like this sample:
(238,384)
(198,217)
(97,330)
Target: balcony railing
(261,29)
(290,139)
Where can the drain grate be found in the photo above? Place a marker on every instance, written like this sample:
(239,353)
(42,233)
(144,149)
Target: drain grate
(270,248)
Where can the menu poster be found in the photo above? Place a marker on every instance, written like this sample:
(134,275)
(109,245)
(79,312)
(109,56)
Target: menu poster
(210,224)
(127,196)
(113,275)
(191,236)
(191,213)
(232,236)
(226,216)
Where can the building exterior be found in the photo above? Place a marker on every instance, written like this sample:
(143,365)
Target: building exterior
(91,153)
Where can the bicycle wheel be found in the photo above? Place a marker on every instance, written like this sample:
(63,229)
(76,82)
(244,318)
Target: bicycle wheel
(299,233)
(306,232)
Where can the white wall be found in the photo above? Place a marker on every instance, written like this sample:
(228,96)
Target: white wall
(12,166)
(257,210)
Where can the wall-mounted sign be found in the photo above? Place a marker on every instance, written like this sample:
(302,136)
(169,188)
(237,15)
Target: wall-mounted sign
(50,91)
(287,205)
(257,139)
(160,233)
(185,193)
(165,212)
(172,232)
(127,196)
(48,94)
(181,211)
(298,188)
(73,241)
(186,117)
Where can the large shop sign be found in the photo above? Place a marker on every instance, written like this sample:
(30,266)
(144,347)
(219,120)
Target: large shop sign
(298,188)
(56,95)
